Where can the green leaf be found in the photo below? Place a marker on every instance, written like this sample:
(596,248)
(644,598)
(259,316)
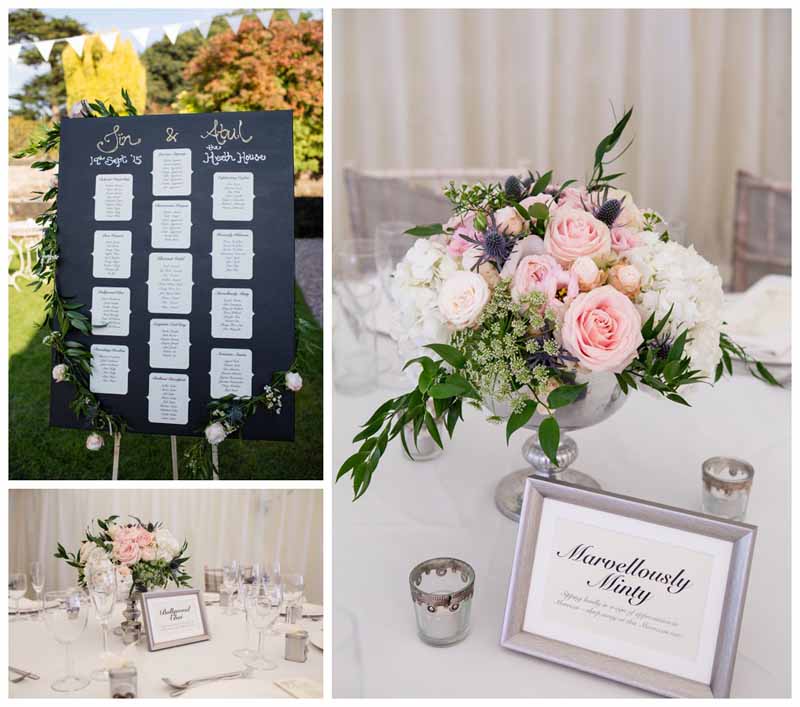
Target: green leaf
(675,398)
(541,184)
(766,375)
(425,231)
(539,211)
(676,350)
(565,395)
(430,423)
(445,390)
(480,222)
(549,437)
(520,419)
(450,354)
(453,413)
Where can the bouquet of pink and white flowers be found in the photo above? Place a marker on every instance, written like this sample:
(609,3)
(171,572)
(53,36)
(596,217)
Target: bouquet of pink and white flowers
(146,553)
(530,289)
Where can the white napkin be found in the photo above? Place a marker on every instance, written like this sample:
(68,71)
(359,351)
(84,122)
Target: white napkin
(759,319)
(27,606)
(309,610)
(211,597)
(302,688)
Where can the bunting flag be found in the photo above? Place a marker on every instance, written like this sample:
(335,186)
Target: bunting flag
(203,26)
(45,47)
(109,39)
(172,31)
(265,17)
(294,15)
(235,21)
(77,44)
(13,52)
(140,34)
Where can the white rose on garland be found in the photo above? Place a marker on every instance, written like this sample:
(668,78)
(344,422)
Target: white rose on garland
(463,298)
(60,373)
(216,433)
(294,381)
(94,442)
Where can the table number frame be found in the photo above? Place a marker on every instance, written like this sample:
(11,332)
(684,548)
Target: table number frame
(514,637)
(151,644)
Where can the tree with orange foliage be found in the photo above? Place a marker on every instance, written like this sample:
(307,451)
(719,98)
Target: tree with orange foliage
(264,69)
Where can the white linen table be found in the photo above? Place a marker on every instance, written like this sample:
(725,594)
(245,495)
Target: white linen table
(32,647)
(650,449)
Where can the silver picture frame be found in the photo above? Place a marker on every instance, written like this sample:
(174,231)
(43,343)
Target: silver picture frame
(513,637)
(151,644)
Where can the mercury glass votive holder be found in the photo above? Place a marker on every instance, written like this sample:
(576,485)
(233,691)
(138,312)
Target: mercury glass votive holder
(442,590)
(123,682)
(726,487)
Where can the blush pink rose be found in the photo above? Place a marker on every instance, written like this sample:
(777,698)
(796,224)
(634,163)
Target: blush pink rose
(509,221)
(623,239)
(126,534)
(574,198)
(572,233)
(545,199)
(142,537)
(126,552)
(461,226)
(602,329)
(148,553)
(535,273)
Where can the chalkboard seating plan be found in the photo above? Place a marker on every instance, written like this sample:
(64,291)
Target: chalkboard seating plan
(176,233)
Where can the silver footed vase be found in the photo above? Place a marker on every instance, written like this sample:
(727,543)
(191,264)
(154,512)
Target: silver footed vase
(602,399)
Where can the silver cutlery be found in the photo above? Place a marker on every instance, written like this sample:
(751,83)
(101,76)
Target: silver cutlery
(23,674)
(178,688)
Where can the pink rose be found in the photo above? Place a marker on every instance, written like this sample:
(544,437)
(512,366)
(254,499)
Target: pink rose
(127,534)
(461,226)
(623,239)
(625,278)
(142,537)
(530,245)
(509,221)
(148,553)
(535,273)
(574,198)
(602,329)
(572,233)
(126,552)
(123,571)
(588,274)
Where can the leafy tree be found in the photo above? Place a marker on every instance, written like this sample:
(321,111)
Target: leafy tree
(44,96)
(264,69)
(101,74)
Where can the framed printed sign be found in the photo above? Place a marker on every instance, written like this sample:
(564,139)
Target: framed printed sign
(174,618)
(644,594)
(176,232)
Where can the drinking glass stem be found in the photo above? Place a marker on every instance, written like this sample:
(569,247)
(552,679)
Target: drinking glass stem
(68,656)
(261,644)
(105,636)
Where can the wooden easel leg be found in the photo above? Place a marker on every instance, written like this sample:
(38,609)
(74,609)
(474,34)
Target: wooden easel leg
(115,467)
(215,461)
(174,444)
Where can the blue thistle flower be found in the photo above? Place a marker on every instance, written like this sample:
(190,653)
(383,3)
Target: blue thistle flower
(608,212)
(496,247)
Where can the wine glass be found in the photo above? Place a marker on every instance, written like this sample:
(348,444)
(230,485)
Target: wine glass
(101,581)
(17,586)
(65,615)
(37,582)
(261,614)
(247,653)
(391,245)
(293,589)
(230,577)
(273,590)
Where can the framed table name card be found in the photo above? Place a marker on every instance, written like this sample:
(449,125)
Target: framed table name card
(174,618)
(637,592)
(176,233)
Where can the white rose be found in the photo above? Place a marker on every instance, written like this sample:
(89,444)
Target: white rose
(588,274)
(85,549)
(94,442)
(113,530)
(216,433)
(294,381)
(167,547)
(60,372)
(462,299)
(509,221)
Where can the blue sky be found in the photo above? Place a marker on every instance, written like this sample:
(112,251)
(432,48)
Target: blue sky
(122,19)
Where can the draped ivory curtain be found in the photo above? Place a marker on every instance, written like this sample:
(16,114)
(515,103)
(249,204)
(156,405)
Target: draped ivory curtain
(483,88)
(247,525)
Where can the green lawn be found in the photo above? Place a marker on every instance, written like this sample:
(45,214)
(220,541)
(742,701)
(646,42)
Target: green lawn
(37,451)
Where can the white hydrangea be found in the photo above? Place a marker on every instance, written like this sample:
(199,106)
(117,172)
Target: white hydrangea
(167,547)
(677,276)
(415,290)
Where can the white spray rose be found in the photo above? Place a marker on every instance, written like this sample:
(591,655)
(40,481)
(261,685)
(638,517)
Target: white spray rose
(94,442)
(216,433)
(294,381)
(462,299)
(60,372)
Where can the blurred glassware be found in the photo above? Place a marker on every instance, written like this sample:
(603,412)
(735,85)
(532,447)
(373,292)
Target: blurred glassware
(293,588)
(726,487)
(246,653)
(262,614)
(101,582)
(273,590)
(230,578)
(37,582)
(65,614)
(356,296)
(17,586)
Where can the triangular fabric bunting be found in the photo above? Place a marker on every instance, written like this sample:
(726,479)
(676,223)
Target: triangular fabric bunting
(77,44)
(294,15)
(265,17)
(45,47)
(140,34)
(204,26)
(172,31)
(234,21)
(13,52)
(109,39)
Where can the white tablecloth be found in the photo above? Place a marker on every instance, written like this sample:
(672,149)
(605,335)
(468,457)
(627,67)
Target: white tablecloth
(32,648)
(651,449)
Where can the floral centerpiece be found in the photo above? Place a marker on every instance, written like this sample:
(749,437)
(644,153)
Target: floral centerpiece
(147,553)
(531,290)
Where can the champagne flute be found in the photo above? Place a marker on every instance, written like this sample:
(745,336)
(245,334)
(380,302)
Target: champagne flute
(247,653)
(273,590)
(293,590)
(37,582)
(65,615)
(229,578)
(262,614)
(17,586)
(101,581)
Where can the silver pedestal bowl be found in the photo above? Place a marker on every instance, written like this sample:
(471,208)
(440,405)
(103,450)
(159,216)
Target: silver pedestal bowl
(602,399)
